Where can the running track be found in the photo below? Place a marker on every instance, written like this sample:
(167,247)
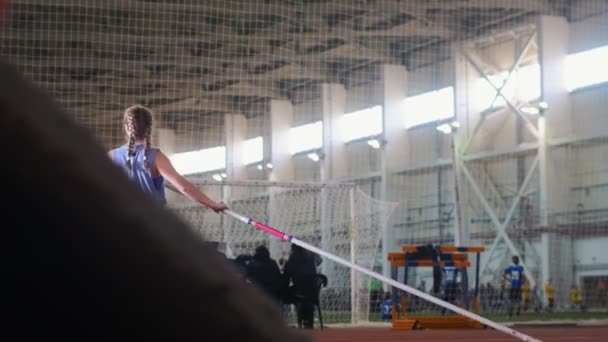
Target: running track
(586,334)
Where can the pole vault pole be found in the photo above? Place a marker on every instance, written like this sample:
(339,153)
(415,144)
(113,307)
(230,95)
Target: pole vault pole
(284,236)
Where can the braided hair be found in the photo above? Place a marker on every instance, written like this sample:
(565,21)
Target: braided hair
(138,125)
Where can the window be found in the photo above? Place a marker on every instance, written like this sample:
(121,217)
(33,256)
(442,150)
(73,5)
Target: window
(306,137)
(253,150)
(428,107)
(200,161)
(361,124)
(586,68)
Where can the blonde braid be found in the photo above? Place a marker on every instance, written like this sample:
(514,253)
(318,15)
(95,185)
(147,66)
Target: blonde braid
(131,133)
(138,124)
(147,149)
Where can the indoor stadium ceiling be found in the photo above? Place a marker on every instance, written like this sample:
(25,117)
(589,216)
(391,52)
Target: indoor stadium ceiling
(223,56)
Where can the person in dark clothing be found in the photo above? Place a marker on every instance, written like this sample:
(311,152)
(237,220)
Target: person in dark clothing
(241,262)
(264,272)
(300,271)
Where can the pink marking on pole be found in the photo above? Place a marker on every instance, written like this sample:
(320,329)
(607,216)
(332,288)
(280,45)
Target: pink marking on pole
(272,231)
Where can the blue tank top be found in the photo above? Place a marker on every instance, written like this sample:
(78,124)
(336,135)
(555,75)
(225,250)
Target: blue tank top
(516,272)
(149,184)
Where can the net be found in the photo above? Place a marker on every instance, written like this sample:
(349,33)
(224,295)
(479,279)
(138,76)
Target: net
(338,218)
(511,92)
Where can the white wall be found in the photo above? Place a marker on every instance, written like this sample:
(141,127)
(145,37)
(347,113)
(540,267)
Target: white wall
(591,251)
(590,258)
(588,33)
(426,145)
(199,139)
(362,159)
(498,132)
(307,112)
(588,178)
(305,169)
(363,96)
(590,110)
(430,78)
(258,126)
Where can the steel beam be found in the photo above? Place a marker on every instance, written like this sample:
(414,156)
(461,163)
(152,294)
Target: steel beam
(529,124)
(502,234)
(493,218)
(443,163)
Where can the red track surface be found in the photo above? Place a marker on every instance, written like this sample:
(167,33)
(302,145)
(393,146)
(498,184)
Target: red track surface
(587,334)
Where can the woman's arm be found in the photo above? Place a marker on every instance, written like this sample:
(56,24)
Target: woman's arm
(166,169)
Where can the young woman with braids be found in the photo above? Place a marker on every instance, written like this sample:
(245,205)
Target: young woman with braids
(148,166)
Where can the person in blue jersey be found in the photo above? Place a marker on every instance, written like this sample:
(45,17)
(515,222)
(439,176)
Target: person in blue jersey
(515,274)
(386,308)
(147,166)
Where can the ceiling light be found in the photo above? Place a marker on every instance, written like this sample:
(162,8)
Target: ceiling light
(445,128)
(260,167)
(313,156)
(374,143)
(269,165)
(217,177)
(530,110)
(224,175)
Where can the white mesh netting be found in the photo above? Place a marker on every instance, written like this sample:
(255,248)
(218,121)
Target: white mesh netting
(333,217)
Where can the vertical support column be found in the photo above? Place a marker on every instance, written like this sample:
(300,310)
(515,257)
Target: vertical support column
(470,121)
(394,154)
(460,237)
(236,130)
(395,151)
(556,121)
(553,33)
(281,117)
(545,258)
(235,127)
(335,163)
(520,164)
(557,261)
